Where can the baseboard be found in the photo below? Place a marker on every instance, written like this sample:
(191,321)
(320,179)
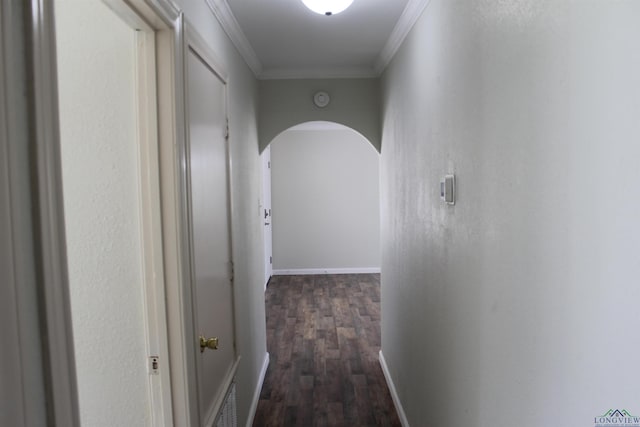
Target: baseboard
(392,390)
(313,271)
(256,393)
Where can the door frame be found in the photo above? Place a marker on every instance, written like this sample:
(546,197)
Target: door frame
(266,204)
(158,26)
(39,352)
(39,333)
(175,389)
(162,25)
(169,306)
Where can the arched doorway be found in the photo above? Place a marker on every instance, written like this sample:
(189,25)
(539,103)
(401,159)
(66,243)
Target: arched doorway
(323,202)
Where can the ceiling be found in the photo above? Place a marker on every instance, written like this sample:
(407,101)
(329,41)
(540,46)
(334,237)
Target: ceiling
(284,39)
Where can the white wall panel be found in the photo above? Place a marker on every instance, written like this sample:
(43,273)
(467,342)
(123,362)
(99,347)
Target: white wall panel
(325,201)
(518,305)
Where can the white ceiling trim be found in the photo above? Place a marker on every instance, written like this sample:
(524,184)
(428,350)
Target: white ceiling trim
(407,20)
(318,73)
(223,14)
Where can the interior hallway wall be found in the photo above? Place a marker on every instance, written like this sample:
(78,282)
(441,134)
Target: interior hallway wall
(245,181)
(246,190)
(518,305)
(355,103)
(325,201)
(102,208)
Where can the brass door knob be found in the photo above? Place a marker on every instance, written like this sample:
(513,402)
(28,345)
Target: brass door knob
(211,343)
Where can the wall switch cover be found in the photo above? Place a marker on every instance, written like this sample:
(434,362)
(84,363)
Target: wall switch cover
(448,189)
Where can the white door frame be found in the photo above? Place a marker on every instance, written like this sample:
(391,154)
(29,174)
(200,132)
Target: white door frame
(169,308)
(157,24)
(38,384)
(265,214)
(174,398)
(161,23)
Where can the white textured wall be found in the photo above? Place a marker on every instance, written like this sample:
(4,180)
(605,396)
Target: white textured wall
(99,159)
(518,306)
(325,200)
(248,252)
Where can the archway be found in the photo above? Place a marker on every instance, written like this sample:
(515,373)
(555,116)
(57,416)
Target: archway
(325,201)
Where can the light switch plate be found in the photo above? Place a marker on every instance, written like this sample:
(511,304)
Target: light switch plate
(448,189)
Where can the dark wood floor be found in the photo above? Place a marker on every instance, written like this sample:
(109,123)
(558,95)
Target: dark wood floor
(323,337)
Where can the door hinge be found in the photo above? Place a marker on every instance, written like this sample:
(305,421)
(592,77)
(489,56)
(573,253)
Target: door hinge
(154,365)
(270,260)
(231,272)
(226,131)
(269,165)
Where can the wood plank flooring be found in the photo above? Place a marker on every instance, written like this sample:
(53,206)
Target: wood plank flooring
(323,337)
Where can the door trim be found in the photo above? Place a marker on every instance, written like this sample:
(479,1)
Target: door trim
(39,280)
(172,137)
(166,21)
(266,204)
(157,23)
(52,247)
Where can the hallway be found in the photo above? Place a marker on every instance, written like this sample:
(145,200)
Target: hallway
(509,303)
(323,335)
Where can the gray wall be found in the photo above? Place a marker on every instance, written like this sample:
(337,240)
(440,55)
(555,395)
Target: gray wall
(285,103)
(518,305)
(325,201)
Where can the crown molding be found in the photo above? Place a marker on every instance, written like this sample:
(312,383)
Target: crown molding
(318,73)
(407,20)
(224,15)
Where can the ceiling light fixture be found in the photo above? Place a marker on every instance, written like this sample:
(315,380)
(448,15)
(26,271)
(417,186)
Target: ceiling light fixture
(327,7)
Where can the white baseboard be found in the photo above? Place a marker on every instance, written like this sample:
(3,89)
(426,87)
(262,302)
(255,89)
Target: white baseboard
(311,271)
(392,390)
(256,393)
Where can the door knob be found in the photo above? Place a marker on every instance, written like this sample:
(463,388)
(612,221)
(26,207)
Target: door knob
(211,343)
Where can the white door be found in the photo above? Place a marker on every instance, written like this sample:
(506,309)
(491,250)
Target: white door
(210,232)
(266,214)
